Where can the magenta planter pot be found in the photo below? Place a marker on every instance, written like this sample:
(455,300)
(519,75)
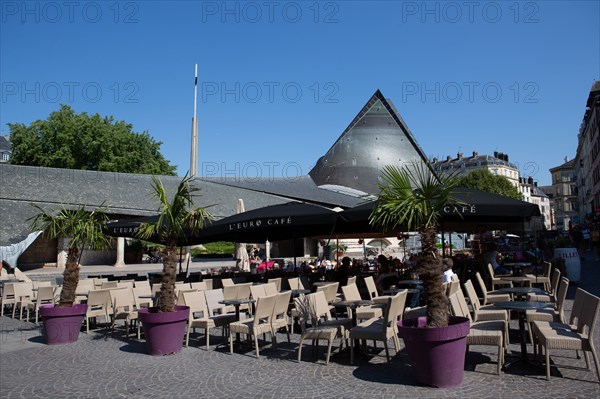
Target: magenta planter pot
(164,331)
(437,355)
(62,325)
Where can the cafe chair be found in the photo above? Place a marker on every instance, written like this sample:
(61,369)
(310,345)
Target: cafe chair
(8,296)
(98,305)
(294,283)
(276,281)
(544,278)
(199,286)
(351,280)
(201,318)
(497,280)
(486,312)
(371,287)
(259,324)
(555,314)
(564,337)
(213,297)
(312,328)
(364,312)
(23,298)
(123,308)
(552,292)
(227,282)
(490,296)
(143,296)
(4,274)
(271,288)
(489,333)
(44,296)
(382,328)
(280,317)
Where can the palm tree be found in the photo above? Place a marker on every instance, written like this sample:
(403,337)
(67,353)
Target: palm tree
(413,197)
(175,222)
(83,229)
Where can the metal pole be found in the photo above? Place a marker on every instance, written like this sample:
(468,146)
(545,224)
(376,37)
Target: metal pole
(194,147)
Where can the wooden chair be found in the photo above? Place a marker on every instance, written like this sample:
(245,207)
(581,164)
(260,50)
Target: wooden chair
(490,296)
(364,312)
(555,314)
(552,292)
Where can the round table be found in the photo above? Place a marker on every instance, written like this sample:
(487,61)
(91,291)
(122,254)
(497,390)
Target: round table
(521,291)
(521,307)
(517,267)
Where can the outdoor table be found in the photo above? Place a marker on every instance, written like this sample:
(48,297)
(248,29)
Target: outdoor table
(521,307)
(409,282)
(299,292)
(521,292)
(236,304)
(517,267)
(353,305)
(394,291)
(516,279)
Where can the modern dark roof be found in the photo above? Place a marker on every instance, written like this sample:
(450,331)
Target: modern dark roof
(377,136)
(471,161)
(131,194)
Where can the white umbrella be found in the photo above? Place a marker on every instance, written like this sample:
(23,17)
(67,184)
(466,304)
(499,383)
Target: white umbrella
(241,254)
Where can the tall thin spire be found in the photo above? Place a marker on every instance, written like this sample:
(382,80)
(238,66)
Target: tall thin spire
(194,147)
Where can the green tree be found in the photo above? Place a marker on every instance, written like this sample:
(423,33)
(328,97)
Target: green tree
(175,222)
(92,142)
(81,228)
(413,198)
(484,180)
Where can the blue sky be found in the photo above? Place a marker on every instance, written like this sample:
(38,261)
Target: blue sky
(280,81)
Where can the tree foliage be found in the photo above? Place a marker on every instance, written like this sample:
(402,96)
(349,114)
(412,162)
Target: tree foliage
(175,222)
(82,229)
(92,142)
(484,180)
(413,198)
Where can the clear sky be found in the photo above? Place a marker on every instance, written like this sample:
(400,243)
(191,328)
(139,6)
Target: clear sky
(279,81)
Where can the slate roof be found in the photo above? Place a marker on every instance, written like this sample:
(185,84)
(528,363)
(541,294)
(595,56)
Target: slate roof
(131,194)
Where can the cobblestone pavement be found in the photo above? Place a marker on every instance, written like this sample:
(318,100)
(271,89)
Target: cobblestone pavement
(103,365)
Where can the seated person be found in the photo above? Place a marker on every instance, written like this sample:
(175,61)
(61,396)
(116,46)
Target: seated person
(491,256)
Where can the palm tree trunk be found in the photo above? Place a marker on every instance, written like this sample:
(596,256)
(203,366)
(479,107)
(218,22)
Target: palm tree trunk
(169,276)
(70,278)
(431,269)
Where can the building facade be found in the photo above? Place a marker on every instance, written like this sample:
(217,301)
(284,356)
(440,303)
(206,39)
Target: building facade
(564,193)
(498,164)
(5,149)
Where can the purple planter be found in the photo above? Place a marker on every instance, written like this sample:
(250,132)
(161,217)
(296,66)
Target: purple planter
(164,331)
(62,325)
(437,355)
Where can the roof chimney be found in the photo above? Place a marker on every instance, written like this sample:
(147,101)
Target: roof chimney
(506,157)
(435,159)
(495,154)
(530,180)
(566,159)
(448,158)
(459,155)
(475,154)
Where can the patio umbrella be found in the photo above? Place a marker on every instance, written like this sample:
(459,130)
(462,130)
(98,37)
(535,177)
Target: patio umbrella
(272,223)
(241,253)
(491,211)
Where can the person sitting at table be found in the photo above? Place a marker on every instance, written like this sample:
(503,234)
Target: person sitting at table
(491,256)
(342,271)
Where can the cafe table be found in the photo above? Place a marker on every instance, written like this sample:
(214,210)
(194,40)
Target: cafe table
(521,292)
(521,307)
(353,305)
(517,267)
(236,304)
(516,280)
